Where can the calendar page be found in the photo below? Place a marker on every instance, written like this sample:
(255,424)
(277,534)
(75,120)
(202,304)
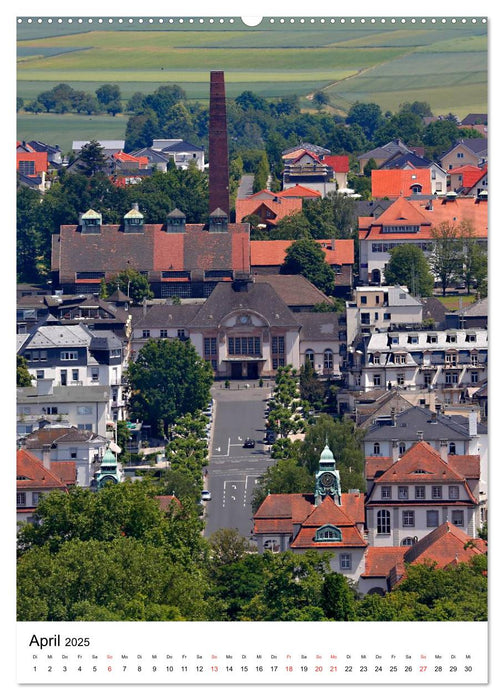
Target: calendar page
(252,418)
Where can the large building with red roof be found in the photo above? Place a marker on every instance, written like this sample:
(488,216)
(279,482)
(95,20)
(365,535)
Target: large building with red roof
(413,221)
(325,521)
(411,495)
(315,168)
(178,258)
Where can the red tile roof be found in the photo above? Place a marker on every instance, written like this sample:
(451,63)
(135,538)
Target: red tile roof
(399,183)
(260,207)
(300,191)
(420,463)
(65,471)
(380,560)
(264,253)
(340,164)
(31,473)
(445,545)
(38,158)
(142,161)
(404,212)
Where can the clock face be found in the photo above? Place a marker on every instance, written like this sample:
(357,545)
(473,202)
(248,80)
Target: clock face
(327,479)
(243,319)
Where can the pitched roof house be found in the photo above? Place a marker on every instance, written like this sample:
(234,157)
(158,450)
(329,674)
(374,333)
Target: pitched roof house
(412,221)
(34,481)
(407,497)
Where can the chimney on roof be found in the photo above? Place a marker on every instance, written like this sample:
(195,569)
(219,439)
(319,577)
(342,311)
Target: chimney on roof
(218,169)
(419,435)
(46,456)
(395,450)
(473,424)
(443,450)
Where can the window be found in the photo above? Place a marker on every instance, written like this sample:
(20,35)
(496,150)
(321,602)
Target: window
(163,333)
(451,358)
(210,351)
(453,492)
(451,338)
(403,492)
(474,377)
(383,522)
(363,300)
(249,345)
(470,338)
(402,450)
(146,333)
(408,518)
(40,374)
(376,380)
(451,378)
(277,351)
(75,375)
(419,492)
(452,449)
(457,518)
(84,410)
(413,339)
(365,319)
(386,492)
(94,374)
(328,533)
(328,359)
(376,448)
(85,426)
(36,498)
(181,334)
(345,561)
(431,338)
(310,358)
(399,359)
(400,380)
(432,518)
(21,499)
(68,355)
(409,541)
(50,410)
(386,316)
(436,492)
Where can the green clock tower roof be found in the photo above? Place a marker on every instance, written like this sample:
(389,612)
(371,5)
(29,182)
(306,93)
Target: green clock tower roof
(327,456)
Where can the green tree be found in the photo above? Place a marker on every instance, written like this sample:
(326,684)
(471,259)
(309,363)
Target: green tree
(91,159)
(234,584)
(306,257)
(446,257)
(474,258)
(23,376)
(227,546)
(167,380)
(108,94)
(261,174)
(31,245)
(292,589)
(291,227)
(320,100)
(310,387)
(338,599)
(366,115)
(132,283)
(408,266)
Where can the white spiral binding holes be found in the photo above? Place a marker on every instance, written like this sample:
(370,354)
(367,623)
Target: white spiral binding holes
(250,21)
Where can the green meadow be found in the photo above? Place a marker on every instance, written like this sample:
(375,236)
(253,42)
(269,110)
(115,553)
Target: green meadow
(444,65)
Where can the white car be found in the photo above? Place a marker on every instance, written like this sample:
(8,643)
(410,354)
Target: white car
(206,496)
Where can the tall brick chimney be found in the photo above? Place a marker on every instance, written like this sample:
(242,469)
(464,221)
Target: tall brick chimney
(218,145)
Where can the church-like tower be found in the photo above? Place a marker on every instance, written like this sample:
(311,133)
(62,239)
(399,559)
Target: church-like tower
(327,478)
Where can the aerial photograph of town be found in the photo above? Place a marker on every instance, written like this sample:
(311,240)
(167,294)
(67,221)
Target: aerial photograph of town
(251,320)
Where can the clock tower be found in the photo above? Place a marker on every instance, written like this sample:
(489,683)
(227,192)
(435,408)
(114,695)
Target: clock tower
(327,478)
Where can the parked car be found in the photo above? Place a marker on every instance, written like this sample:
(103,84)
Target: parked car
(270,437)
(206,496)
(249,443)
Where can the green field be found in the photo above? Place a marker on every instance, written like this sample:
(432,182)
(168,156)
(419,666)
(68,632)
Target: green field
(444,65)
(62,129)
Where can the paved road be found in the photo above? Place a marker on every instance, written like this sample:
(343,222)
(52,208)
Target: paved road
(245,188)
(233,469)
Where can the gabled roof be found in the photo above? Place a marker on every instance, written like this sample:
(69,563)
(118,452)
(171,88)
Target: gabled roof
(295,290)
(340,164)
(419,464)
(427,214)
(264,208)
(299,191)
(417,418)
(55,436)
(31,473)
(181,146)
